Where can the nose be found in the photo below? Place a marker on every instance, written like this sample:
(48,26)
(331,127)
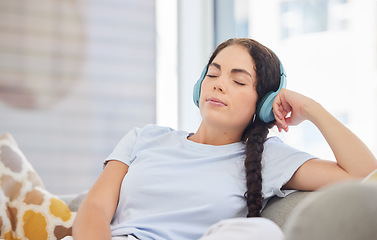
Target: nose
(218,85)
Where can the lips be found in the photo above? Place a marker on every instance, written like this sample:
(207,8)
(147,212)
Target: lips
(215,101)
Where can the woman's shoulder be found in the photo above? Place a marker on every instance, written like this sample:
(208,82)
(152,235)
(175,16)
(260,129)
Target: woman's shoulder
(270,141)
(277,150)
(276,145)
(153,130)
(157,128)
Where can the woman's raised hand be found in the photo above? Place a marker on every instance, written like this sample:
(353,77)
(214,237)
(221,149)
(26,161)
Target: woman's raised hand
(353,158)
(290,108)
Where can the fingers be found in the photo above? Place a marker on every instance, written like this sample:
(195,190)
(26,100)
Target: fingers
(281,109)
(282,125)
(288,108)
(280,120)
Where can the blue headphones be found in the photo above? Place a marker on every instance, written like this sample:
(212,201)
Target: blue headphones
(264,109)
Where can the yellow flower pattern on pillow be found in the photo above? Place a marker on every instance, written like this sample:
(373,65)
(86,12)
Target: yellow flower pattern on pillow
(27,210)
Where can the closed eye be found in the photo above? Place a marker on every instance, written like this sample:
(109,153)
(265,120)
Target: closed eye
(239,83)
(211,76)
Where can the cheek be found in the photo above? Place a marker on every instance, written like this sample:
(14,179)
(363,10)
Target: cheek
(247,107)
(248,101)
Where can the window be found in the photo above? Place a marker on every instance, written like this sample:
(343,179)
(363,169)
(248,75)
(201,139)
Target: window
(329,50)
(331,57)
(75,76)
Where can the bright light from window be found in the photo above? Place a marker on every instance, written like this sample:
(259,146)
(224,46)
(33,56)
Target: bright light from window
(329,50)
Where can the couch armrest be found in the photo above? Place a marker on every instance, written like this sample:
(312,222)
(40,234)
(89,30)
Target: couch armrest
(346,211)
(76,202)
(73,200)
(67,198)
(279,209)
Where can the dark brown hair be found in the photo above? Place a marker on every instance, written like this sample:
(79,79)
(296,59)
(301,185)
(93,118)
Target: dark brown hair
(267,67)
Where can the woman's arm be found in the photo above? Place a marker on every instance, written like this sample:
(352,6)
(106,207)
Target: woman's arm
(96,211)
(353,158)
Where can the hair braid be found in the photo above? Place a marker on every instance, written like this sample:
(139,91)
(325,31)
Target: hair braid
(254,137)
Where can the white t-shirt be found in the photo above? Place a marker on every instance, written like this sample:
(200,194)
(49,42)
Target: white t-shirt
(176,188)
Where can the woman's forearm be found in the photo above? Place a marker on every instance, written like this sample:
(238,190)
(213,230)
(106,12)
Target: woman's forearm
(91,223)
(350,152)
(96,211)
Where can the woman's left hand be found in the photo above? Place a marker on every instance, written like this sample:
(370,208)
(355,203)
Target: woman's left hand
(290,108)
(353,158)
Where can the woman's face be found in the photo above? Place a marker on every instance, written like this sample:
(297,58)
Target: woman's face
(228,95)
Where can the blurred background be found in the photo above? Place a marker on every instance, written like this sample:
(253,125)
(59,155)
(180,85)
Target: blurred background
(76,75)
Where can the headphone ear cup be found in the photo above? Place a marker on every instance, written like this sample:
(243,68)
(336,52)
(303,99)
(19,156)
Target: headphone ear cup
(196,93)
(198,86)
(264,110)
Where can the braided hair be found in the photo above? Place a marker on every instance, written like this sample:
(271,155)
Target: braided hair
(267,67)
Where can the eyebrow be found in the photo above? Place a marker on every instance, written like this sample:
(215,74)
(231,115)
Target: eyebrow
(216,65)
(234,70)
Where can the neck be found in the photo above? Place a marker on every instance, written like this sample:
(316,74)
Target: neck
(215,136)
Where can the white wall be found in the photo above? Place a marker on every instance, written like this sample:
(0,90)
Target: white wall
(195,44)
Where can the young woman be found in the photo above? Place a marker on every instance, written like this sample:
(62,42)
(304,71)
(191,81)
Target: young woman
(164,184)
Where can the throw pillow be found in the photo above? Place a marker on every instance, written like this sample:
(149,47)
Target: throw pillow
(27,209)
(371,177)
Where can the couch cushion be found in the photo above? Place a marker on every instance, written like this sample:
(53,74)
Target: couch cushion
(279,209)
(27,210)
(76,202)
(342,211)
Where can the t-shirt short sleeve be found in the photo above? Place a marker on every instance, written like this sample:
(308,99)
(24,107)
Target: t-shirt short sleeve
(123,150)
(279,162)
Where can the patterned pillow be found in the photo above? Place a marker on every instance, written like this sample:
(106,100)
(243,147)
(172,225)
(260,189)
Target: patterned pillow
(27,210)
(371,177)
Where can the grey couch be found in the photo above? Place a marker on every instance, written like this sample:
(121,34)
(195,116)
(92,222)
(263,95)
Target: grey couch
(346,211)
